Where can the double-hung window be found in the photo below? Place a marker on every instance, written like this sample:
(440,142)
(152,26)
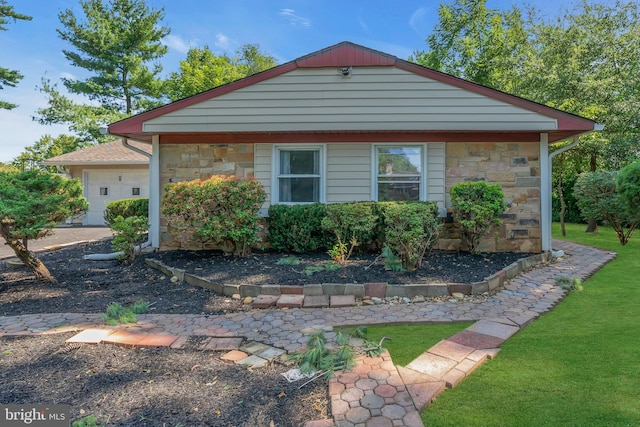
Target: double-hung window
(399,172)
(299,174)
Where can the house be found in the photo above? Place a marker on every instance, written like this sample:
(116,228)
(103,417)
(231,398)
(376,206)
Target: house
(109,172)
(349,123)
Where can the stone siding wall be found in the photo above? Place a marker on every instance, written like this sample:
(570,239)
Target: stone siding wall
(186,162)
(516,167)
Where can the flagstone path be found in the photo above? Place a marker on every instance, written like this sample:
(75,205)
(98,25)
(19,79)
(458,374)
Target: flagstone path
(375,392)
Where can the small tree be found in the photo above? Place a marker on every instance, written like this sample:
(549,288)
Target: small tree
(628,187)
(598,198)
(477,206)
(32,203)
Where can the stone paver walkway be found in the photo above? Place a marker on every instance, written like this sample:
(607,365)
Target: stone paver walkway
(521,301)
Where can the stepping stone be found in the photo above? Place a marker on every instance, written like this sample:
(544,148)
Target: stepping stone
(453,378)
(290,300)
(91,336)
(154,340)
(409,376)
(224,344)
(423,394)
(316,301)
(254,347)
(476,340)
(451,350)
(432,365)
(271,353)
(342,301)
(234,355)
(123,338)
(253,360)
(494,329)
(264,301)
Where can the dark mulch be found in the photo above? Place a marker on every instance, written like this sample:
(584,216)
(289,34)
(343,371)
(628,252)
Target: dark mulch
(155,387)
(152,386)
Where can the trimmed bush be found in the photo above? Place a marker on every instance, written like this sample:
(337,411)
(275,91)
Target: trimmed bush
(411,229)
(598,198)
(352,224)
(297,228)
(222,210)
(628,187)
(128,233)
(477,206)
(126,208)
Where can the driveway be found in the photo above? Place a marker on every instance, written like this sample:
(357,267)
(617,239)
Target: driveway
(62,236)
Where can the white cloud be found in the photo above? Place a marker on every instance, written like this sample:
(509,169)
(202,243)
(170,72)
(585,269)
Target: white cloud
(417,21)
(177,43)
(68,76)
(294,19)
(223,42)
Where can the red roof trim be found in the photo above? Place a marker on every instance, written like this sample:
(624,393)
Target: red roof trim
(349,54)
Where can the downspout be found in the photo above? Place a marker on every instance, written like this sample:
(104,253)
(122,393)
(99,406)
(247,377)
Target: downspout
(546,186)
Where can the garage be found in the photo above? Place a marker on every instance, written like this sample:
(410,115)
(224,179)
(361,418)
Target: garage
(102,187)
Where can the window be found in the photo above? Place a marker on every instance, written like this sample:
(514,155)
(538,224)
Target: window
(298,174)
(399,173)
(104,191)
(135,191)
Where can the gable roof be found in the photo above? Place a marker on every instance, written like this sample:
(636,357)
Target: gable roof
(109,153)
(347,54)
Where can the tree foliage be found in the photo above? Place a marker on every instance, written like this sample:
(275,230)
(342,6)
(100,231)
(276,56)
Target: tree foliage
(46,147)
(117,44)
(9,77)
(598,198)
(584,61)
(203,70)
(477,206)
(32,203)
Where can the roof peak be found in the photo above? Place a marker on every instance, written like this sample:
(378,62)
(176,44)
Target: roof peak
(346,54)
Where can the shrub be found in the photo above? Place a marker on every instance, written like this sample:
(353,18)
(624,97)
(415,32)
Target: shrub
(128,233)
(352,224)
(222,210)
(297,228)
(411,229)
(477,206)
(628,187)
(598,198)
(126,208)
(117,313)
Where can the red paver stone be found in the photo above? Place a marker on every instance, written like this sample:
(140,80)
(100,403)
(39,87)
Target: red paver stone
(290,300)
(123,338)
(348,377)
(385,390)
(476,339)
(342,300)
(264,301)
(157,340)
(423,394)
(319,423)
(378,290)
(291,290)
(335,388)
(234,356)
(451,350)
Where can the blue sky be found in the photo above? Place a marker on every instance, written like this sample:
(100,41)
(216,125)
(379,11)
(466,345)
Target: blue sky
(285,29)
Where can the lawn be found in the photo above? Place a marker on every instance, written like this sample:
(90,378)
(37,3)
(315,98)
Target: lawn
(578,365)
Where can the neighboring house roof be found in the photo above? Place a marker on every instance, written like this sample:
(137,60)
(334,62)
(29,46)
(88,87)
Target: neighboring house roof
(558,124)
(109,153)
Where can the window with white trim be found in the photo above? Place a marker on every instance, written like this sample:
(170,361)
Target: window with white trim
(399,172)
(298,174)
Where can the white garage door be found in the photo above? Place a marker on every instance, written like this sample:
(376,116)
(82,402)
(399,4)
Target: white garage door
(104,186)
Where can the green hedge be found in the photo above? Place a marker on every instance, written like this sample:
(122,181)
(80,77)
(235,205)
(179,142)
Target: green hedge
(297,228)
(126,208)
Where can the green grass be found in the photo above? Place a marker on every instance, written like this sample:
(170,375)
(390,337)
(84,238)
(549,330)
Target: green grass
(410,341)
(578,365)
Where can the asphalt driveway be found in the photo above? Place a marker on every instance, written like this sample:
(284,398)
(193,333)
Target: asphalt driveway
(62,236)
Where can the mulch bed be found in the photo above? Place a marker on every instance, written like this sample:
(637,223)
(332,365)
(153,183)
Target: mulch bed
(155,387)
(152,386)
